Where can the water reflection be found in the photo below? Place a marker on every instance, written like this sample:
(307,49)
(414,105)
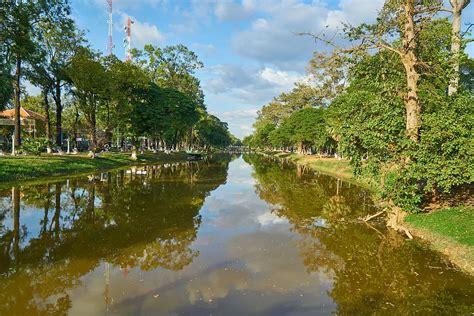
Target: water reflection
(53,234)
(373,269)
(226,236)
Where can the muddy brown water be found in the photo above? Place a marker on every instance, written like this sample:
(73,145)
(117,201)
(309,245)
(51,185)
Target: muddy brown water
(230,235)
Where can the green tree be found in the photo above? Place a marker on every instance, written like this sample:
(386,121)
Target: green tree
(58,42)
(212,132)
(90,84)
(18,34)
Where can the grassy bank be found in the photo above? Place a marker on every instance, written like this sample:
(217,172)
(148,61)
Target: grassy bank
(21,168)
(449,231)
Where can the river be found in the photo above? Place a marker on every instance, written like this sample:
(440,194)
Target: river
(231,235)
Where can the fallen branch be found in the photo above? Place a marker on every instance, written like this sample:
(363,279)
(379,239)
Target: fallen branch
(369,217)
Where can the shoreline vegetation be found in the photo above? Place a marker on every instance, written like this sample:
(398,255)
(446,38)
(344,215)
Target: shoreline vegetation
(449,231)
(14,169)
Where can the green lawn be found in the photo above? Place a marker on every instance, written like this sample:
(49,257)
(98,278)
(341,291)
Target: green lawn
(455,223)
(30,167)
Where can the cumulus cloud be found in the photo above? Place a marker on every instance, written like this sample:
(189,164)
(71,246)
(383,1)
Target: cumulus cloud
(246,88)
(250,83)
(273,39)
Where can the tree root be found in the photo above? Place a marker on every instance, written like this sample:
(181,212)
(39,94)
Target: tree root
(395,220)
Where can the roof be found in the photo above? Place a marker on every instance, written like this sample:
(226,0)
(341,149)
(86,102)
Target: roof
(24,114)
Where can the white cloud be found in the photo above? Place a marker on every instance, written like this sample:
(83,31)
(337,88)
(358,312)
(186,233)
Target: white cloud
(249,83)
(274,39)
(246,88)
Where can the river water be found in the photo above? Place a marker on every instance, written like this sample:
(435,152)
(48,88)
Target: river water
(231,235)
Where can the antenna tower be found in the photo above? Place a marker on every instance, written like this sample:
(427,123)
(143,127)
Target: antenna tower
(128,39)
(110,44)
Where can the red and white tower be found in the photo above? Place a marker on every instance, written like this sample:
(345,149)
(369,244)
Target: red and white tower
(110,44)
(128,39)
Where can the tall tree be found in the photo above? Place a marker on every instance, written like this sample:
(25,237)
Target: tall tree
(90,82)
(18,29)
(457,7)
(59,40)
(172,67)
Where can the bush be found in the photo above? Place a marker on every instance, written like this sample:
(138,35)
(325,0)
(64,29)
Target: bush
(443,161)
(35,146)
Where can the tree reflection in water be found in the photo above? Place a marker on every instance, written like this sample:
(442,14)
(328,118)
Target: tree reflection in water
(373,269)
(145,217)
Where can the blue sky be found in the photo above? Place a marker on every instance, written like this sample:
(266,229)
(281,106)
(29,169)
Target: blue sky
(249,47)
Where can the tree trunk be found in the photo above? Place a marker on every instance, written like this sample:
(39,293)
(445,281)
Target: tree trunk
(48,121)
(76,123)
(92,127)
(409,60)
(17,102)
(57,213)
(59,111)
(458,6)
(16,221)
(412,103)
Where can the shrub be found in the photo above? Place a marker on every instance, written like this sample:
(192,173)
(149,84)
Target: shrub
(35,146)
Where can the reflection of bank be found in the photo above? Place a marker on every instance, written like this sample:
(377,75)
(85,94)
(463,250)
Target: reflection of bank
(375,270)
(145,220)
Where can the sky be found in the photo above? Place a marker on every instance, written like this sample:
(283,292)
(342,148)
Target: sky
(250,48)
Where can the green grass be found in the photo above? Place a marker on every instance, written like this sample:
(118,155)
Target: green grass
(455,223)
(20,168)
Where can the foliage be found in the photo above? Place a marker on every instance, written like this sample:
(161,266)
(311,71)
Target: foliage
(367,96)
(100,94)
(213,132)
(35,146)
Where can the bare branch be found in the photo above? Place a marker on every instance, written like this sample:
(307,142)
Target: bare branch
(469,25)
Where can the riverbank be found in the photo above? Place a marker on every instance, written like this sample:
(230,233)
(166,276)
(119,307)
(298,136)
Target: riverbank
(24,168)
(449,231)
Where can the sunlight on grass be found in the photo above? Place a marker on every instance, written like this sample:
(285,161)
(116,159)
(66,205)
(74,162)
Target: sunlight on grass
(456,223)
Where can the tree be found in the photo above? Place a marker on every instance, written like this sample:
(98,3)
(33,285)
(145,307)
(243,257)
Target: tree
(172,67)
(306,128)
(212,132)
(125,81)
(282,106)
(457,7)
(59,41)
(90,81)
(19,22)
(163,113)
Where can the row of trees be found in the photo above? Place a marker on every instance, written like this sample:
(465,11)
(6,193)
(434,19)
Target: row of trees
(398,103)
(156,95)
